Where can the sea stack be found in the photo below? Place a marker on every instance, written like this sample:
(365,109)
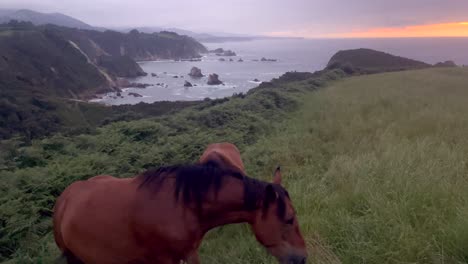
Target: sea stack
(135,94)
(195,72)
(213,79)
(187,84)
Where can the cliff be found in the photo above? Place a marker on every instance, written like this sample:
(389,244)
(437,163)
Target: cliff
(76,63)
(40,61)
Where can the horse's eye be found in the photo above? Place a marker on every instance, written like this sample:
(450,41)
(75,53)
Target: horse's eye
(290,221)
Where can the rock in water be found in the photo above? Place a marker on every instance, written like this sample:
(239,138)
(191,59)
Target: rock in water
(195,72)
(135,94)
(213,79)
(154,75)
(218,50)
(265,59)
(229,53)
(140,85)
(187,84)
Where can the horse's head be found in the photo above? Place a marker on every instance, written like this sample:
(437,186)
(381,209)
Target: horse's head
(276,226)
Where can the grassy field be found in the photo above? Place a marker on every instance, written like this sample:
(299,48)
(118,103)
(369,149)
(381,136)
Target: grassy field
(377,168)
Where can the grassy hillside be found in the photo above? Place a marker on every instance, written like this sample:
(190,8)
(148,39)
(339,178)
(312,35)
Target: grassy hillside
(376,166)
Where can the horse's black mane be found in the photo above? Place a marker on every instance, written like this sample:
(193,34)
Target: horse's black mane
(194,182)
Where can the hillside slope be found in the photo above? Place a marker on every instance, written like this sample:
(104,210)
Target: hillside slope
(46,62)
(375,165)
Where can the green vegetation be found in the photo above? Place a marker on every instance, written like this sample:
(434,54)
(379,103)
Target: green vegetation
(377,169)
(31,116)
(371,61)
(376,166)
(31,177)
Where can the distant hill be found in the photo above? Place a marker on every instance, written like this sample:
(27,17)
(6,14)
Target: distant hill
(202,37)
(142,46)
(41,60)
(38,18)
(78,63)
(45,70)
(372,61)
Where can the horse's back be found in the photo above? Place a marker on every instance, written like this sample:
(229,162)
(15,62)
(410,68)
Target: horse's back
(64,204)
(225,154)
(90,210)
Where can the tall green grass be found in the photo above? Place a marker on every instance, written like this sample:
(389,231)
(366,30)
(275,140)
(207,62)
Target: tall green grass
(377,169)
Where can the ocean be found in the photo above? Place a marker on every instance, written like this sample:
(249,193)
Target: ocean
(291,55)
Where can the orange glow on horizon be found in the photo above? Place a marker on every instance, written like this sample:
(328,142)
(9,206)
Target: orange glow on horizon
(459,29)
(456,29)
(435,30)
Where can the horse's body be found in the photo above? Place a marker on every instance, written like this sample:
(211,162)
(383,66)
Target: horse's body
(162,215)
(107,220)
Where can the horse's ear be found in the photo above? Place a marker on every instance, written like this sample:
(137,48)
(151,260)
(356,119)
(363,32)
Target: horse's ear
(277,176)
(270,194)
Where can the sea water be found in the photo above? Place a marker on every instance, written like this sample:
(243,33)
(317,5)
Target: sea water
(291,55)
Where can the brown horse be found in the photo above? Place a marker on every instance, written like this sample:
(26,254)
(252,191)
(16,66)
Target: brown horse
(162,215)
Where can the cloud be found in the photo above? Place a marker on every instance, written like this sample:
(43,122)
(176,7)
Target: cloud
(292,17)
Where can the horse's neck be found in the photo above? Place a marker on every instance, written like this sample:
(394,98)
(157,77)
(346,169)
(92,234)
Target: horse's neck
(227,207)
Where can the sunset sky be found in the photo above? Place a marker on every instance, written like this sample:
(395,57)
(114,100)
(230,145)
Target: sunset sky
(454,29)
(304,18)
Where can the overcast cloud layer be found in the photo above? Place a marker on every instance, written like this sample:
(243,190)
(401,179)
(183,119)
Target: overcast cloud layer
(309,17)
